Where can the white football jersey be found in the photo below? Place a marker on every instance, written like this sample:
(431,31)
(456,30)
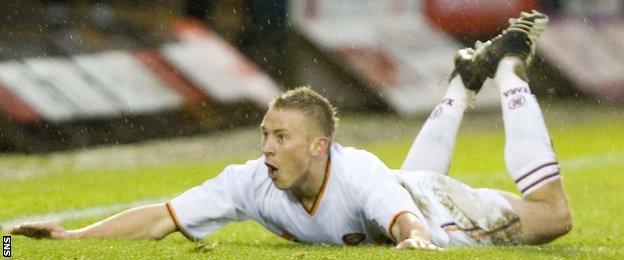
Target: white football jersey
(359,200)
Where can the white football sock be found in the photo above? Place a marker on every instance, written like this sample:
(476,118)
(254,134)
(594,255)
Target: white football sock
(529,156)
(433,147)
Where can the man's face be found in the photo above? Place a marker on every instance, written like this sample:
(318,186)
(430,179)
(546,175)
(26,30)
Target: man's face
(286,146)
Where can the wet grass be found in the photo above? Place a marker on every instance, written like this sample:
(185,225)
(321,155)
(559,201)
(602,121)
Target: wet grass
(590,146)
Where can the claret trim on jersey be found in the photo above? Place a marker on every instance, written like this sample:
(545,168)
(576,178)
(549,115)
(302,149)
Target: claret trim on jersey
(177,222)
(317,201)
(288,236)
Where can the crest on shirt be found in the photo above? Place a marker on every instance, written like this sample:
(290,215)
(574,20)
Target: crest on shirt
(353,239)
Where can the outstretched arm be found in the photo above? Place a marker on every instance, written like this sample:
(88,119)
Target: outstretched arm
(410,232)
(145,222)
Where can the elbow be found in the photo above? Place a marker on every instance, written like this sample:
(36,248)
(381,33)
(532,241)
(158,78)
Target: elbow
(154,234)
(158,223)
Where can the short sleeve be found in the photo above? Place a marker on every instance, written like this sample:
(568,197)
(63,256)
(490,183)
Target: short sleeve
(384,199)
(208,207)
(384,203)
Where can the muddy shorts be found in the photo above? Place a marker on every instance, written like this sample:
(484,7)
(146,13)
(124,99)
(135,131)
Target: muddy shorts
(459,215)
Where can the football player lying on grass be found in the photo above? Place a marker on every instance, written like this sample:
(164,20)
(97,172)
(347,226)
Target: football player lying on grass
(308,189)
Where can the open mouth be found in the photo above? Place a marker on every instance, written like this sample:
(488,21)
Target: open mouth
(272,170)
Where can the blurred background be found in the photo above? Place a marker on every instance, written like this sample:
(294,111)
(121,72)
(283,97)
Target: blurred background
(76,73)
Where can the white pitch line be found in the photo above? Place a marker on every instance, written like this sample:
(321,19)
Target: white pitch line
(80,213)
(574,164)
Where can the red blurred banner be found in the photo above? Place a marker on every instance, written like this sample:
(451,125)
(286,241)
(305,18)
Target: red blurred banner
(475,18)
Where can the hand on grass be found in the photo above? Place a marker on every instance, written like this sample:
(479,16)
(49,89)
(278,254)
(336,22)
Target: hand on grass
(414,243)
(41,230)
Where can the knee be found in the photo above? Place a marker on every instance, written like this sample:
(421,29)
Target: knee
(556,225)
(566,221)
(561,222)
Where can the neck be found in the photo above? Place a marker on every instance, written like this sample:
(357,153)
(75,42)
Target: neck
(311,186)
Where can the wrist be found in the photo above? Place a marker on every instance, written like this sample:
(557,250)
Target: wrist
(408,226)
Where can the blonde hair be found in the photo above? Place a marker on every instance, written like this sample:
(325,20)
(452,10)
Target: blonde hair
(312,104)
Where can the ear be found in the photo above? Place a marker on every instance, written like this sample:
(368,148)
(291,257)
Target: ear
(320,146)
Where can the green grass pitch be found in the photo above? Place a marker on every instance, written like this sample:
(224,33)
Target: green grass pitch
(589,141)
